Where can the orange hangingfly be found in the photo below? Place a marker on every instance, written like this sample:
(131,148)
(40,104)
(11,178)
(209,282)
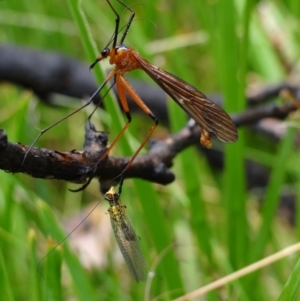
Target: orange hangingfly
(213,120)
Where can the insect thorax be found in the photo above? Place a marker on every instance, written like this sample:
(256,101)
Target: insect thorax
(116,212)
(124,59)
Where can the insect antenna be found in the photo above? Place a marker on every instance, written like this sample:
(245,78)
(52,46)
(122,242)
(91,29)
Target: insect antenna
(65,238)
(127,26)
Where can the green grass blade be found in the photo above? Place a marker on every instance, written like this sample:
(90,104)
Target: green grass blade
(291,287)
(53,265)
(81,281)
(159,227)
(270,204)
(7,291)
(234,173)
(271,201)
(35,279)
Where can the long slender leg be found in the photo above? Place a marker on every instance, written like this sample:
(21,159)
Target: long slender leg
(123,100)
(43,131)
(123,87)
(98,104)
(117,24)
(135,97)
(122,96)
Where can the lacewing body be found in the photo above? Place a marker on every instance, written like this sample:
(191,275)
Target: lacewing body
(126,237)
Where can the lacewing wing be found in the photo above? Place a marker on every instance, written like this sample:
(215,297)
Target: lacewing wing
(126,237)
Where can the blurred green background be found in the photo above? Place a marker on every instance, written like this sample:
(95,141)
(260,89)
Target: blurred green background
(203,226)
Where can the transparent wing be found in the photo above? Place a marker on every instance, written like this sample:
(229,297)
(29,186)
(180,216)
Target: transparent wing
(207,114)
(129,245)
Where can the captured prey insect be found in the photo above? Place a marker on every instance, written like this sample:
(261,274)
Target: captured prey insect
(125,235)
(213,120)
(124,232)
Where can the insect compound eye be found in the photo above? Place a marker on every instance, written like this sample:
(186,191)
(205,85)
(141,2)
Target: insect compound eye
(105,52)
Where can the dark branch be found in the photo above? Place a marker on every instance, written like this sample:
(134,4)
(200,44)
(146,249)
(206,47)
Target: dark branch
(66,76)
(255,114)
(76,166)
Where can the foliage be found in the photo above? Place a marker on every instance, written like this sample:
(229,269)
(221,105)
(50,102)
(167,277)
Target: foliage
(206,224)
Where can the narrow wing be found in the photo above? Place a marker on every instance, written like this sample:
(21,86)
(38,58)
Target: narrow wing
(129,245)
(207,114)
